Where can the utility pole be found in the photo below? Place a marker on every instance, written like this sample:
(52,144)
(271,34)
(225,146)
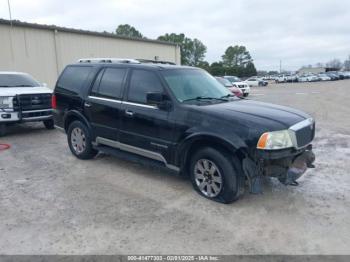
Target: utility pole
(280,66)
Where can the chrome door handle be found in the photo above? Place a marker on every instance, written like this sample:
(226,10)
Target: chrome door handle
(129,113)
(86,104)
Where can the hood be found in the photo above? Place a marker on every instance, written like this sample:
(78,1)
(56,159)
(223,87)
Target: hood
(269,117)
(12,91)
(239,83)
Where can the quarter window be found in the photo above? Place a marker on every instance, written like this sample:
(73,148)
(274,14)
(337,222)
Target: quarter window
(141,83)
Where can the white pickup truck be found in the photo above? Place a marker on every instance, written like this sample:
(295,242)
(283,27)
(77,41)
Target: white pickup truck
(23,99)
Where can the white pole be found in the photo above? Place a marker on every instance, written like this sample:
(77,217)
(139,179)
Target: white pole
(9,6)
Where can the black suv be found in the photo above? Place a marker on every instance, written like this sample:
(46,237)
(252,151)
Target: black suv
(183,119)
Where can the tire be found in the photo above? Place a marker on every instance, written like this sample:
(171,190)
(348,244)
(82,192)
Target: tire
(79,141)
(49,124)
(2,130)
(225,184)
(245,95)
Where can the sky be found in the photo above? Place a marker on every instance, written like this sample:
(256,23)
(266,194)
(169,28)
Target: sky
(296,32)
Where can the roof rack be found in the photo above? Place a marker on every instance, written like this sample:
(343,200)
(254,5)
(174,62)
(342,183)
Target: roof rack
(109,60)
(149,61)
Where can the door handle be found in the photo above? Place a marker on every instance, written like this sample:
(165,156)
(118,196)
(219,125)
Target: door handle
(129,113)
(86,104)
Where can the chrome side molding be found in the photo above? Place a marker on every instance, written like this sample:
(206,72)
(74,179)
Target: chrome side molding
(136,150)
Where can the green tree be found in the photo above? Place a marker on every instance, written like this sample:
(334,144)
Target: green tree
(128,31)
(236,56)
(192,51)
(250,70)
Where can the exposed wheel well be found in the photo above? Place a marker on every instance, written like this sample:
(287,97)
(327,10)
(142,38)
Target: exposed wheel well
(208,142)
(70,119)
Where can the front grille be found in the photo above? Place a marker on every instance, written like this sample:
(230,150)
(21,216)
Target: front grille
(34,101)
(305,135)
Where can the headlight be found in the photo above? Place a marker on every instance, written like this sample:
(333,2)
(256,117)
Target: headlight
(6,102)
(275,140)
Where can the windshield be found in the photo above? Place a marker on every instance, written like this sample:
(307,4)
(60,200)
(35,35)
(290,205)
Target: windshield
(17,80)
(189,84)
(233,79)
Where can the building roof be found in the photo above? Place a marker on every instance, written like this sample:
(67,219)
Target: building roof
(80,31)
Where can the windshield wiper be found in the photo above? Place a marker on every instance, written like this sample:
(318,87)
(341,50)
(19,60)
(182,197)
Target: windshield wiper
(23,86)
(199,98)
(232,95)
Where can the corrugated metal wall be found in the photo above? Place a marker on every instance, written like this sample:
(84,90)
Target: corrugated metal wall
(44,53)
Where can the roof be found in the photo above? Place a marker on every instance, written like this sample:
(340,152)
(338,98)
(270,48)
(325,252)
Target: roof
(80,31)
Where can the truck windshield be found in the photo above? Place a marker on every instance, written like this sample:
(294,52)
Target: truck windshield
(189,84)
(17,80)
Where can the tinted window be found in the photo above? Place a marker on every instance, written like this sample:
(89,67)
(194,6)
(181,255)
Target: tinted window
(74,77)
(191,83)
(112,83)
(97,82)
(17,80)
(143,82)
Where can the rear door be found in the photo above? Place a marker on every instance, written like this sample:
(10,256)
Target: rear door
(103,104)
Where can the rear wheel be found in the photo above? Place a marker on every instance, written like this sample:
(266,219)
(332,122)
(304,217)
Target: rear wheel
(49,124)
(215,175)
(79,141)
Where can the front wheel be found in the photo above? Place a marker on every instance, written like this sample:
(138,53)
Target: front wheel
(79,141)
(215,175)
(49,124)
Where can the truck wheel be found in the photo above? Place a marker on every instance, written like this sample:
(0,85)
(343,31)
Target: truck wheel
(215,175)
(49,124)
(79,141)
(2,129)
(245,95)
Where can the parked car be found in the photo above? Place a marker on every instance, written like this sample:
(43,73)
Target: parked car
(254,81)
(332,76)
(308,78)
(23,99)
(237,82)
(226,83)
(323,77)
(284,78)
(183,119)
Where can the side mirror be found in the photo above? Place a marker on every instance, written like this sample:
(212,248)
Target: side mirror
(159,99)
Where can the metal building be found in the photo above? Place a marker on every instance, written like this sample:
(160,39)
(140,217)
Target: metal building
(44,50)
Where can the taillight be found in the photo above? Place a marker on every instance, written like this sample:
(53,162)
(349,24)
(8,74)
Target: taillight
(53,102)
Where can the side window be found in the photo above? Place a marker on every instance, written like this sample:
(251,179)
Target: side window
(94,89)
(141,83)
(73,78)
(111,83)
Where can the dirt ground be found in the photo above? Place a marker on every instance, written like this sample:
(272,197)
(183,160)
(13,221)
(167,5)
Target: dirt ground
(53,203)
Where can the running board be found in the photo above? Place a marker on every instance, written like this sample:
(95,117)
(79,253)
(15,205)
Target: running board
(133,158)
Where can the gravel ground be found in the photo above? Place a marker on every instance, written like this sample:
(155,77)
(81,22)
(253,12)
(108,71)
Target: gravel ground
(53,203)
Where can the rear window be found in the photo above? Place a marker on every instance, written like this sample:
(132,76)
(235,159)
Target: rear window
(74,77)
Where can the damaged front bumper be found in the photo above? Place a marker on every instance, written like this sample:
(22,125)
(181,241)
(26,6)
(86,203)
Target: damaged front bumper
(286,165)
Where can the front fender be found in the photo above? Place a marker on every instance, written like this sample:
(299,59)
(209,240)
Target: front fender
(231,142)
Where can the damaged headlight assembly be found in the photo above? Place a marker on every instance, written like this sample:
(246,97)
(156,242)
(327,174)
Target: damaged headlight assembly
(6,102)
(275,140)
